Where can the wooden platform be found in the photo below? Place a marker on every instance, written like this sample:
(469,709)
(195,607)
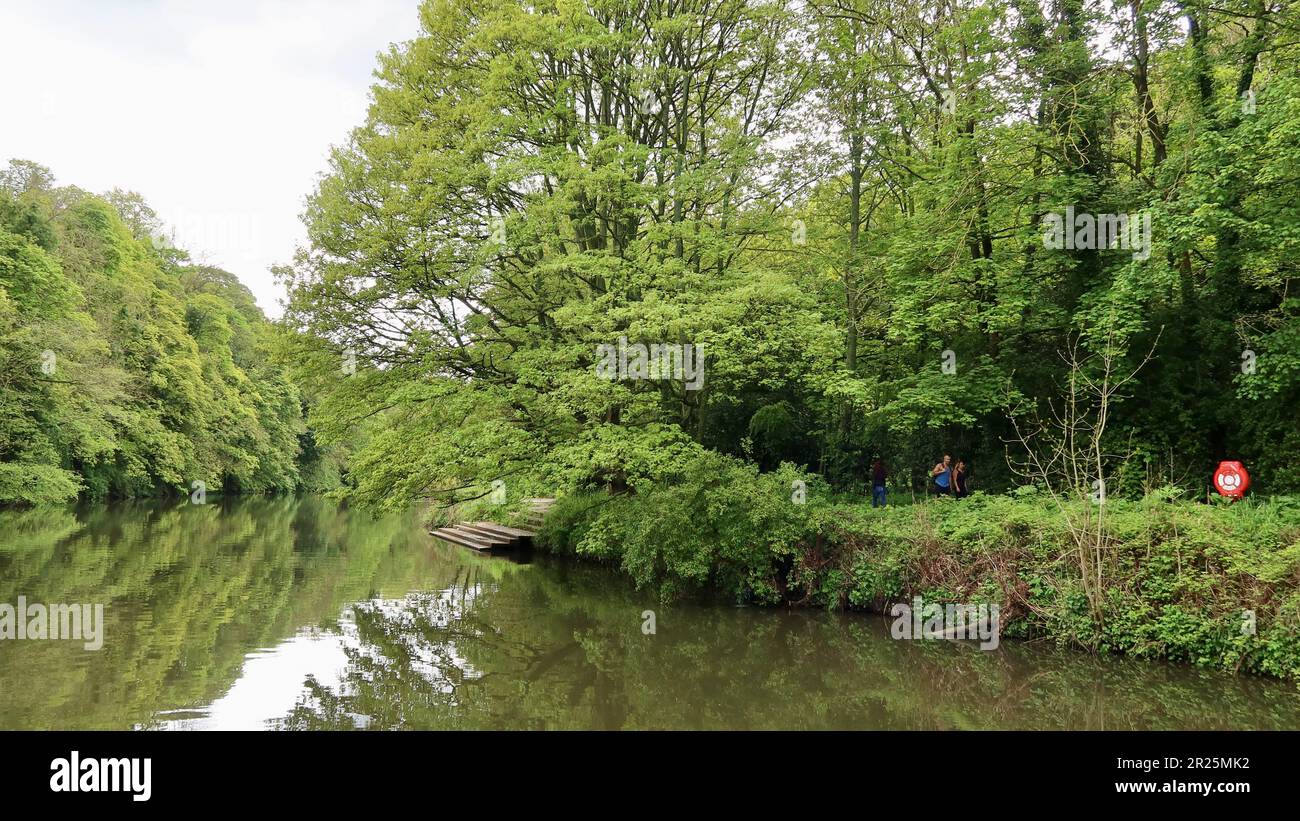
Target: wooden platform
(488,537)
(483,536)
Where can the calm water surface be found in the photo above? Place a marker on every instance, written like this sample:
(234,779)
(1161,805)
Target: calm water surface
(295,614)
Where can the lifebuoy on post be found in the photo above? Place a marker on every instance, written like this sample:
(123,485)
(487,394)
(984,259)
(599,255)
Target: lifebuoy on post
(1231,479)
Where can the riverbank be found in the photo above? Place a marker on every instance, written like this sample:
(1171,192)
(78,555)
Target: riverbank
(301,613)
(1216,586)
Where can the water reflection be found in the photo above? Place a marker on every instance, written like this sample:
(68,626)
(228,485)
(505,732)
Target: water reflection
(295,614)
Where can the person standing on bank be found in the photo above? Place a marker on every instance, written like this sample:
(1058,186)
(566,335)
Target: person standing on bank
(878,476)
(959,480)
(942,475)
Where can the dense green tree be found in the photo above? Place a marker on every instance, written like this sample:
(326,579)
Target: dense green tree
(845,203)
(126,370)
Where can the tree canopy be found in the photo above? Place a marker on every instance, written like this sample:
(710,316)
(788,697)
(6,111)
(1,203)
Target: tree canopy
(126,370)
(888,231)
(844,203)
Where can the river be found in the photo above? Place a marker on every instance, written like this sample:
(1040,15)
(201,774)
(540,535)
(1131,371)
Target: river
(294,613)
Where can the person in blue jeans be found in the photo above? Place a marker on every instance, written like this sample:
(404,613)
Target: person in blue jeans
(942,474)
(878,476)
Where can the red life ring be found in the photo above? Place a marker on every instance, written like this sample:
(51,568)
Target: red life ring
(1231,479)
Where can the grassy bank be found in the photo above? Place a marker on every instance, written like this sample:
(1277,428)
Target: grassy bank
(1175,578)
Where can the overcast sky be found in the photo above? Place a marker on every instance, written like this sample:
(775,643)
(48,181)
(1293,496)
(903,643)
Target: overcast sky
(220,112)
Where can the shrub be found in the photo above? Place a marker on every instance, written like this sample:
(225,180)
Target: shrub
(723,525)
(30,485)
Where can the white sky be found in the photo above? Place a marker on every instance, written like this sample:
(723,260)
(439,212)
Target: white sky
(220,112)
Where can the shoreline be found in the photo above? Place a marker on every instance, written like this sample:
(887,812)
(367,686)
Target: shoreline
(1213,586)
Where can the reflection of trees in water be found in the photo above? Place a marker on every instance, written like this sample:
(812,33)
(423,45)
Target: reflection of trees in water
(188,592)
(412,662)
(558,647)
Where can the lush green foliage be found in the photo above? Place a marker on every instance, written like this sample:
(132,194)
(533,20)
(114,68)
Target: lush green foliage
(125,370)
(848,207)
(844,207)
(719,523)
(826,197)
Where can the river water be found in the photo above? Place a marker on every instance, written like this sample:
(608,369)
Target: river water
(296,614)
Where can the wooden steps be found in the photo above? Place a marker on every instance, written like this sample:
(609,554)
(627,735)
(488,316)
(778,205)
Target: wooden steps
(488,537)
(537,509)
(458,534)
(494,529)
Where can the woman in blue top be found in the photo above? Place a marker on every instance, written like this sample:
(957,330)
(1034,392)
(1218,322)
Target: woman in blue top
(942,474)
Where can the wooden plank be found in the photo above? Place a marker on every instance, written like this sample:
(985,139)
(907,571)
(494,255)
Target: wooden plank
(484,534)
(471,533)
(505,531)
(449,535)
(513,531)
